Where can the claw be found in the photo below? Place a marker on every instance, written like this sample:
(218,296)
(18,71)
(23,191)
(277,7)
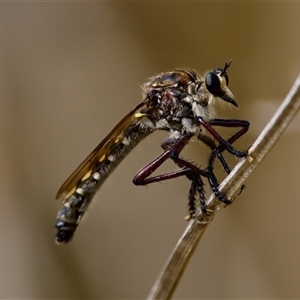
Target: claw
(249,157)
(189,217)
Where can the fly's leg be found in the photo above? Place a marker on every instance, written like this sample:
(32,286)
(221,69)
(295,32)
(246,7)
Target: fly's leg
(208,141)
(192,172)
(197,187)
(173,148)
(224,145)
(141,178)
(192,200)
(213,182)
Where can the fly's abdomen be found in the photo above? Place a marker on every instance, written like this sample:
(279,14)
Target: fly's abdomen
(79,198)
(75,206)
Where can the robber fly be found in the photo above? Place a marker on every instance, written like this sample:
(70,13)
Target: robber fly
(179,102)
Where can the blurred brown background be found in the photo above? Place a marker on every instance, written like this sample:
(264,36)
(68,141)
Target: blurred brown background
(69,72)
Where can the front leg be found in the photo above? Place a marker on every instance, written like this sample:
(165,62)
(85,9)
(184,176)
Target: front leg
(225,144)
(208,141)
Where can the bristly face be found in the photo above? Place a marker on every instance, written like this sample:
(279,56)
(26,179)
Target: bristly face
(217,83)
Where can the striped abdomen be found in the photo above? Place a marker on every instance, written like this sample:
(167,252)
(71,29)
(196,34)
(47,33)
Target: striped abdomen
(78,199)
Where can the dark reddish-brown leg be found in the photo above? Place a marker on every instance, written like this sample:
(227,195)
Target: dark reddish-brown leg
(191,171)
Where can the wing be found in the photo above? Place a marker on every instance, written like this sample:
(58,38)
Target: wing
(101,150)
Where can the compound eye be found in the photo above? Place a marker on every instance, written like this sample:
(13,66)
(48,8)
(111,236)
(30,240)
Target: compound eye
(213,84)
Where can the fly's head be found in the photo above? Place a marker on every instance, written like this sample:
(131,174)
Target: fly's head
(216,83)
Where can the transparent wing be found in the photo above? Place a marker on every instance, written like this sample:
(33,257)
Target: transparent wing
(87,165)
